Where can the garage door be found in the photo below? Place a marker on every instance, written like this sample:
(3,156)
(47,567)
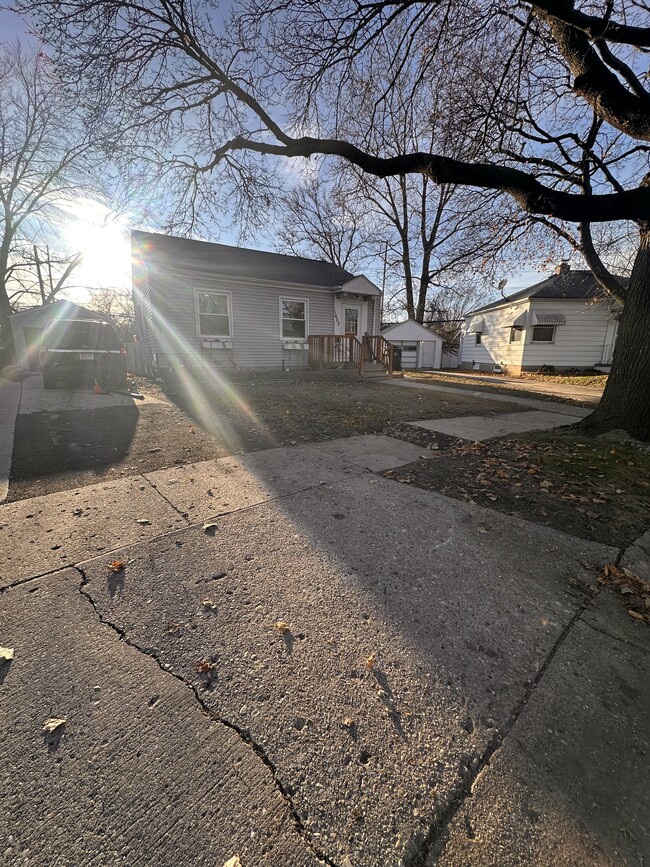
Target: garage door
(409,356)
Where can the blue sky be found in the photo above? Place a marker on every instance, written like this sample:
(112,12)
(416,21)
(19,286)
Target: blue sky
(91,228)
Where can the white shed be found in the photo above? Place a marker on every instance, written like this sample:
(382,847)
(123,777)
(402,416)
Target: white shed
(420,346)
(28,325)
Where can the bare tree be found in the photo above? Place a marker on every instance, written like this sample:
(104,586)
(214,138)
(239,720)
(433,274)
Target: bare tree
(266,89)
(44,165)
(318,219)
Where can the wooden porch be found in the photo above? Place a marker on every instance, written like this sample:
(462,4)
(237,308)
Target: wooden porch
(368,354)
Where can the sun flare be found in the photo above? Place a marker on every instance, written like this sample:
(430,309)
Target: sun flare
(102,238)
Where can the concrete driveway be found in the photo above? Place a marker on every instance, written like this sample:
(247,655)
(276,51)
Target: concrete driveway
(300,662)
(65,438)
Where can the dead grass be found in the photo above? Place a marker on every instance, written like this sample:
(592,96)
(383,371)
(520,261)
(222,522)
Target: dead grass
(594,381)
(484,383)
(592,488)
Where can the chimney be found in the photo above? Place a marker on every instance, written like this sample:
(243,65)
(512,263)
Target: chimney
(563,268)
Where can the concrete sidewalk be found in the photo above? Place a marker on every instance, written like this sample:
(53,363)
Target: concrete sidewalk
(554,389)
(438,690)
(544,405)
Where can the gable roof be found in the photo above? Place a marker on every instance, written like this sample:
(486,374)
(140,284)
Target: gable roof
(410,327)
(61,309)
(161,250)
(569,285)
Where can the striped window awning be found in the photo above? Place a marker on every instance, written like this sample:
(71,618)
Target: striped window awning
(548,317)
(520,321)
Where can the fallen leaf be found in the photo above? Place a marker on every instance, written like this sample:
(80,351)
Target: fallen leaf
(235,861)
(6,654)
(209,603)
(116,566)
(635,614)
(204,666)
(282,626)
(52,724)
(370,661)
(348,722)
(346,862)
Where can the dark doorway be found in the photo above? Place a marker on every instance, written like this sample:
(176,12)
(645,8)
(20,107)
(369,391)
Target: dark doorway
(33,337)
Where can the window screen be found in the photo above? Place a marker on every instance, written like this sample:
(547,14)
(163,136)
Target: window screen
(543,333)
(214,318)
(294,319)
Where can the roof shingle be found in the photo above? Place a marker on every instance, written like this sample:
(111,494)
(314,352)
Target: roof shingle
(163,250)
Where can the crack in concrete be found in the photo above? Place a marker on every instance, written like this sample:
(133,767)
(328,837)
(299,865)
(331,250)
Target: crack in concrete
(617,637)
(183,515)
(243,734)
(435,841)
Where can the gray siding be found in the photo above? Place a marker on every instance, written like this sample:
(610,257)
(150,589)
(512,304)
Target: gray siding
(255,319)
(143,312)
(374,315)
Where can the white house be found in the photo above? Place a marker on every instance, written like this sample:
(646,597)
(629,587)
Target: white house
(419,346)
(564,321)
(28,325)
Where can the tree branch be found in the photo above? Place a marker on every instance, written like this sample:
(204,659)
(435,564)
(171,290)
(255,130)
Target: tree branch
(528,192)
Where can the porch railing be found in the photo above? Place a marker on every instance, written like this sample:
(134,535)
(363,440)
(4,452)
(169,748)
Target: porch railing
(377,350)
(348,350)
(326,349)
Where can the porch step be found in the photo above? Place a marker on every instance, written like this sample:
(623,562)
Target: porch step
(374,371)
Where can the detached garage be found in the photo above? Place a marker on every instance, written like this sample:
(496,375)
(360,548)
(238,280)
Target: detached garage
(27,328)
(419,346)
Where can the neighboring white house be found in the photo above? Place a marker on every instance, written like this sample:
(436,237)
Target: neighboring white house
(28,325)
(419,346)
(201,302)
(564,321)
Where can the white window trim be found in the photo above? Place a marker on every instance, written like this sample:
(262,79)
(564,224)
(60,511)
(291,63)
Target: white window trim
(532,334)
(293,339)
(198,316)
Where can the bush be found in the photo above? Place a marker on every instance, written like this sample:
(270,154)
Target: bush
(546,370)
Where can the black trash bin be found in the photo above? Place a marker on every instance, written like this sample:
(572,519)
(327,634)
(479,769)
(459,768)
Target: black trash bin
(397,357)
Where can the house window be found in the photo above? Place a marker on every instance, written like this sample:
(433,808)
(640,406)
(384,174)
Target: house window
(214,314)
(543,333)
(293,317)
(478,337)
(516,335)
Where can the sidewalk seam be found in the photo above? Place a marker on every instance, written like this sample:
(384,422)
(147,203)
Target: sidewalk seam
(243,734)
(435,841)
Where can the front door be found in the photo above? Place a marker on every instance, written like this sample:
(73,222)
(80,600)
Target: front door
(351,317)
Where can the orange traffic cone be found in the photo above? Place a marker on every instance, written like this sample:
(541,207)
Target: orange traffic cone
(97,388)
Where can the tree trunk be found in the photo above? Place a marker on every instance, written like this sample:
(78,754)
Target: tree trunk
(626,400)
(6,335)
